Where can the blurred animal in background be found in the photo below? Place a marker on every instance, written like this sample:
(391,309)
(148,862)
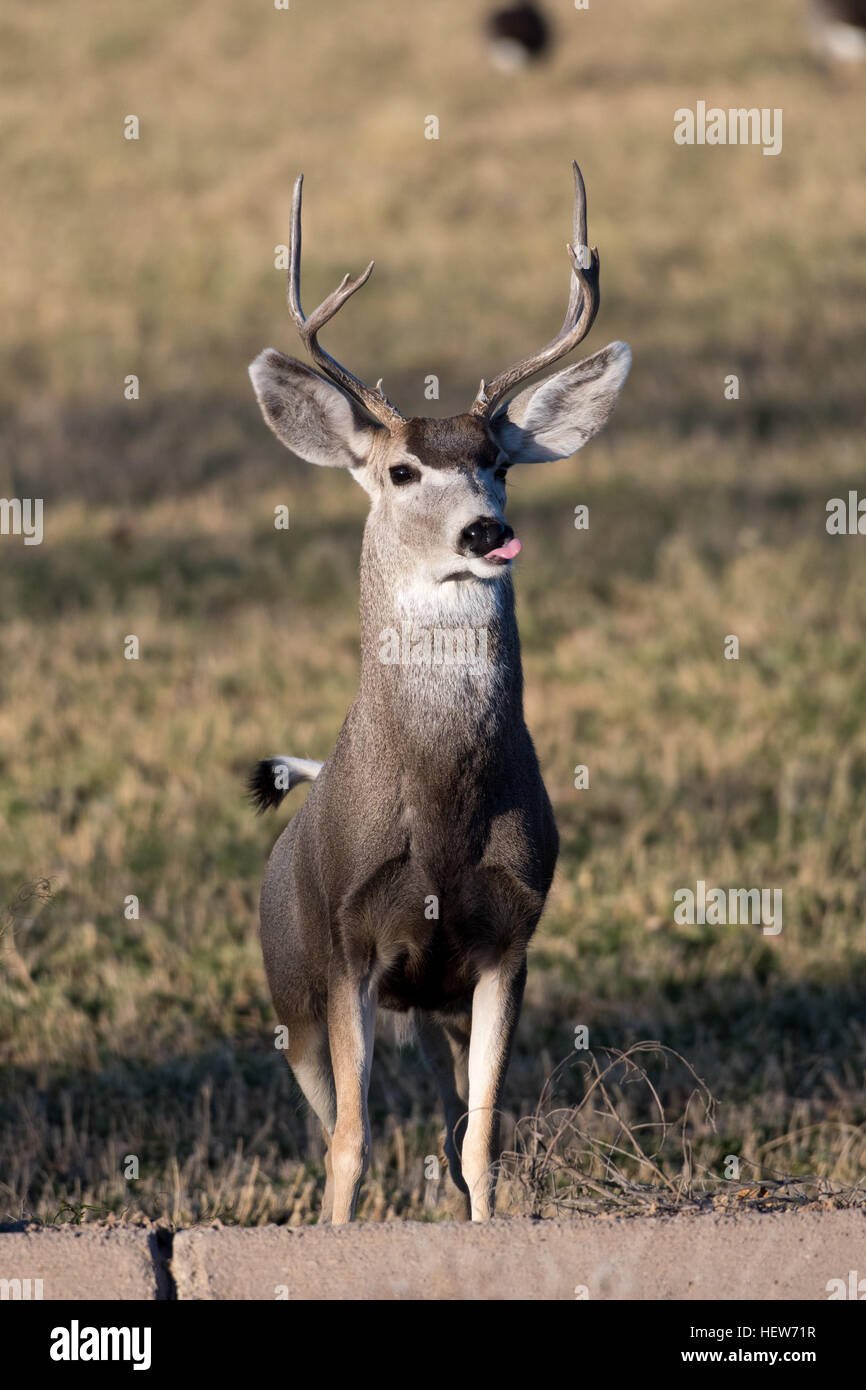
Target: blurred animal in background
(517,35)
(839,29)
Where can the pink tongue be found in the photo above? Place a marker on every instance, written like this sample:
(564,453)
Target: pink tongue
(505,552)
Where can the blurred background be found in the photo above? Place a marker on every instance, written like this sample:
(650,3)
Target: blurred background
(153,1036)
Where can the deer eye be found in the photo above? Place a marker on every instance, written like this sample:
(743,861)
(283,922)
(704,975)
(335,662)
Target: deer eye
(402,474)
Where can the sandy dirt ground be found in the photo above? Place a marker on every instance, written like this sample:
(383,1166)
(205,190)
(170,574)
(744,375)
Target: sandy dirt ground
(745,1255)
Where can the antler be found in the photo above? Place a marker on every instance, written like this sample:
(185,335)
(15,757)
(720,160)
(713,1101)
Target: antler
(583,301)
(375,401)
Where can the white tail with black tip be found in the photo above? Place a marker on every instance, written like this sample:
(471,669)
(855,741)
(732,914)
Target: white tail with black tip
(272,778)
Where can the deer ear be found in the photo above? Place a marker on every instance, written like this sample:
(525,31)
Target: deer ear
(312,416)
(556,418)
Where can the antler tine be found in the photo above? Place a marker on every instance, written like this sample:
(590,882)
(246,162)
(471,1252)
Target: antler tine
(375,401)
(583,301)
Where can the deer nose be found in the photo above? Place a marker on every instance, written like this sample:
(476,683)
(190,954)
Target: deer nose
(483,535)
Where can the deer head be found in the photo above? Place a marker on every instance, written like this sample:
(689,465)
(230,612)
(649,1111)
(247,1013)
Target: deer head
(437,487)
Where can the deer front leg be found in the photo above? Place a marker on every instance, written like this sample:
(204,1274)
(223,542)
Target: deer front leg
(496,1005)
(351,1017)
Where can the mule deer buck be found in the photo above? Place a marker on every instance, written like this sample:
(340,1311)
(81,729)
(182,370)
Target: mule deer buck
(415,873)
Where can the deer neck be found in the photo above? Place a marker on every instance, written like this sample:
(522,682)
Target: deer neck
(440,661)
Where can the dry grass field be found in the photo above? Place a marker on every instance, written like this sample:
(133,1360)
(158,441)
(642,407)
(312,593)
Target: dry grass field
(153,1037)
